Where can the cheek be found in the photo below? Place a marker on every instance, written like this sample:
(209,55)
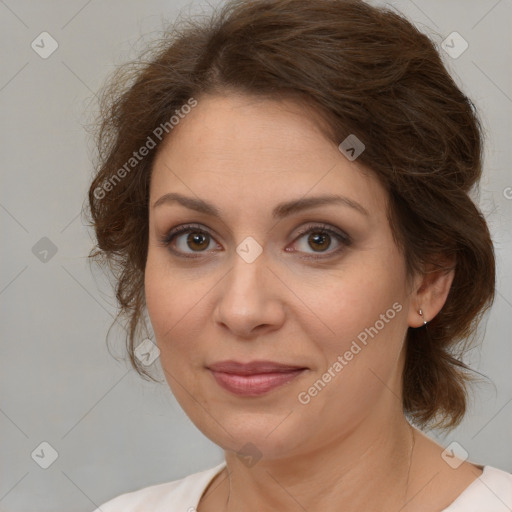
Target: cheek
(365,310)
(363,303)
(166,302)
(361,365)
(167,311)
(174,307)
(159,300)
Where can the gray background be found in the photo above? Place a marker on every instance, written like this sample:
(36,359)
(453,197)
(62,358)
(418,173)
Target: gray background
(114,432)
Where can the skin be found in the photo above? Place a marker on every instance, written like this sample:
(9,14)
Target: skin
(351,443)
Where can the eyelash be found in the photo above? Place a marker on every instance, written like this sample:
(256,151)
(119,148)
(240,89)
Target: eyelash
(341,237)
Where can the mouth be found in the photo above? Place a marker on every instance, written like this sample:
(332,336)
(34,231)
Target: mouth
(255,378)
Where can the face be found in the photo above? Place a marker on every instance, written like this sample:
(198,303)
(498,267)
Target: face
(316,289)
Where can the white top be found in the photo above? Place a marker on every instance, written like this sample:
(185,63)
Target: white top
(490,492)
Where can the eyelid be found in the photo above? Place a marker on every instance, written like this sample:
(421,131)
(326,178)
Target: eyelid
(183,228)
(311,227)
(319,227)
(323,227)
(172,234)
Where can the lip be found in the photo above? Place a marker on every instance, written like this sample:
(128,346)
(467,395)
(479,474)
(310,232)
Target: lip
(254,378)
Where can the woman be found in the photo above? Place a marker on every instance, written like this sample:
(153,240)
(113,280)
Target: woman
(284,188)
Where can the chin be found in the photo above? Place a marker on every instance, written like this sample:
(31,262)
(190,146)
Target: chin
(265,434)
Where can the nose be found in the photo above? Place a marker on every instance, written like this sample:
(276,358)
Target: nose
(250,299)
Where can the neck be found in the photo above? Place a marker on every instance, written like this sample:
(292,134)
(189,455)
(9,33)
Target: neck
(368,468)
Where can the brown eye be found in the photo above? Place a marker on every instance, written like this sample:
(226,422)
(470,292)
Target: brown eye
(315,239)
(319,241)
(199,241)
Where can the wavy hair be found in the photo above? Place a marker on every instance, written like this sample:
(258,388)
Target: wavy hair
(368,71)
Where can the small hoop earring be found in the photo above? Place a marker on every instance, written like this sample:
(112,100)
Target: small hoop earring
(420,311)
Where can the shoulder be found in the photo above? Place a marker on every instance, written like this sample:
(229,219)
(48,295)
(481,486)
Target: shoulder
(179,495)
(491,491)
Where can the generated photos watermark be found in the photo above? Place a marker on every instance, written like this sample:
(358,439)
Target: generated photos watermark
(335,368)
(158,133)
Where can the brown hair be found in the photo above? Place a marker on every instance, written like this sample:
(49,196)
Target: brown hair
(369,72)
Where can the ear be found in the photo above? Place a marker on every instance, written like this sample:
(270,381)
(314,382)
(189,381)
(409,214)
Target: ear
(430,291)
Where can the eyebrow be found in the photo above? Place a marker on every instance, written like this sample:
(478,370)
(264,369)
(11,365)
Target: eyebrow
(280,211)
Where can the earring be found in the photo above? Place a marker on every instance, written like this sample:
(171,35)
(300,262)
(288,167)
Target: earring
(420,311)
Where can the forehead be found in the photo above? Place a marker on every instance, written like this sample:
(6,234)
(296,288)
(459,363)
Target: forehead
(231,124)
(248,148)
